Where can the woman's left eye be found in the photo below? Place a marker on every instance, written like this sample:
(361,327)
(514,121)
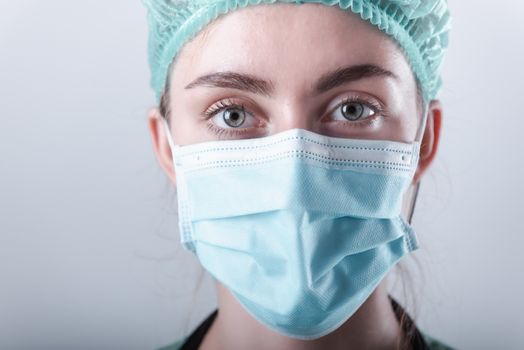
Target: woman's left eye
(353,111)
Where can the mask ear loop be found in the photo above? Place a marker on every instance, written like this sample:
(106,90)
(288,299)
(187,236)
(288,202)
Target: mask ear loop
(170,139)
(180,190)
(418,138)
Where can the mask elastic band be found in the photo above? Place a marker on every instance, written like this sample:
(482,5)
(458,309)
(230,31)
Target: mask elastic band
(170,139)
(422,128)
(418,138)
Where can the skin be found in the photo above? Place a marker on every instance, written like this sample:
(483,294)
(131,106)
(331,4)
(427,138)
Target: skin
(286,45)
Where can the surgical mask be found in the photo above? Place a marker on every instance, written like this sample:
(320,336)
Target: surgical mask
(300,227)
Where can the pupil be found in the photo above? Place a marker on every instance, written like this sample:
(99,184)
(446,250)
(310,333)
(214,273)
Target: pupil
(234,118)
(352,111)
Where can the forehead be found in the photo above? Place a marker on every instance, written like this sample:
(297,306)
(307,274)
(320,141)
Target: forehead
(287,43)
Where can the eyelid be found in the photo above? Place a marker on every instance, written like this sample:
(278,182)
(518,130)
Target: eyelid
(221,131)
(244,103)
(375,105)
(219,106)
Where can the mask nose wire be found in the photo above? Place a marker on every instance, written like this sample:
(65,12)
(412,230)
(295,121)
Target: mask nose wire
(418,139)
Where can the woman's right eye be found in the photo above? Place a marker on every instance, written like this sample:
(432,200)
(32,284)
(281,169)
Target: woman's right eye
(231,116)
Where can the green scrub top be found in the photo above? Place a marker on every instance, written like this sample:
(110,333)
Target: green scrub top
(431,344)
(420,340)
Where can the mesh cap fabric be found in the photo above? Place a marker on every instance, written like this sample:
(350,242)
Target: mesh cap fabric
(420,27)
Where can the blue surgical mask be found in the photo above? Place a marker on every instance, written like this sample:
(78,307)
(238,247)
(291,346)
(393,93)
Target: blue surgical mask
(300,227)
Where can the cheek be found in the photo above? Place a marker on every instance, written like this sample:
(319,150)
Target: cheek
(402,124)
(401,118)
(404,113)
(411,113)
(401,128)
(188,128)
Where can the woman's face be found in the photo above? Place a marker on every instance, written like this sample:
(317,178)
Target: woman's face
(265,69)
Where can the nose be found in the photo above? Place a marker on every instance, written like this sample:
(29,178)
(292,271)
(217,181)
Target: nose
(292,116)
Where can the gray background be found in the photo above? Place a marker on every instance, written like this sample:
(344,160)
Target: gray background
(89,254)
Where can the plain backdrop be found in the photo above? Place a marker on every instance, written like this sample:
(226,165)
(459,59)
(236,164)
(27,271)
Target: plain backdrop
(89,252)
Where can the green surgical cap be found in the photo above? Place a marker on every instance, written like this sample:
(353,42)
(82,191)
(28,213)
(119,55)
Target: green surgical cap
(419,26)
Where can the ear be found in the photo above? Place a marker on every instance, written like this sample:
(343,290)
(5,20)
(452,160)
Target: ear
(430,139)
(160,143)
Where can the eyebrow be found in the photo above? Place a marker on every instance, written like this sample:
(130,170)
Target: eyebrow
(234,80)
(256,85)
(349,74)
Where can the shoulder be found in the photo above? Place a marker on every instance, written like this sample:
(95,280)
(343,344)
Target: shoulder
(175,346)
(434,344)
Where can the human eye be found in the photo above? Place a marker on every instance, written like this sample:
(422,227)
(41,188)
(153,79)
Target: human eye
(230,118)
(356,110)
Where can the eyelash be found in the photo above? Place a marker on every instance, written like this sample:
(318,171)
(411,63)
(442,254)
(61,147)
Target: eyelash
(219,107)
(375,107)
(221,132)
(228,103)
